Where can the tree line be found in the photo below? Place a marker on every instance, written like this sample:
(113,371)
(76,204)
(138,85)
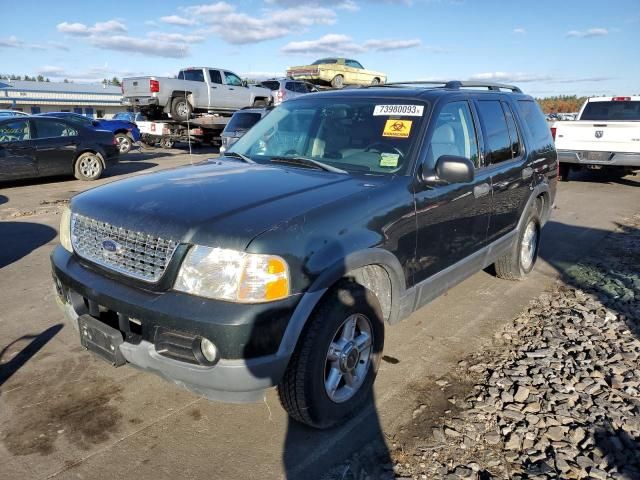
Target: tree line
(561,103)
(115,81)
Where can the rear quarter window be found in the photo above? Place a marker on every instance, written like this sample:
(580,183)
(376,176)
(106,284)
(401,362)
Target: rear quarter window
(534,122)
(271,85)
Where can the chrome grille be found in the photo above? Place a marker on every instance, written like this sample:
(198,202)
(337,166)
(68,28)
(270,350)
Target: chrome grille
(134,254)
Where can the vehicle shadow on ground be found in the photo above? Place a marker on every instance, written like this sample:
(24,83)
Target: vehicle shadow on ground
(19,239)
(604,176)
(3,199)
(613,277)
(7,369)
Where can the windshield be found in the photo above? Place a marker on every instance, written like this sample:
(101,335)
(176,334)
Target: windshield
(122,116)
(357,135)
(615,110)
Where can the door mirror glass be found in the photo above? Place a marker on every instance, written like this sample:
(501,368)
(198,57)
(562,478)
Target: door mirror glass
(454,169)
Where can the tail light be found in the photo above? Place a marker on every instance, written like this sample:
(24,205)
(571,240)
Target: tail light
(621,99)
(553,133)
(280,96)
(154,86)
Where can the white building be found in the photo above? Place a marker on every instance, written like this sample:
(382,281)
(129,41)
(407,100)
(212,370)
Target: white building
(93,100)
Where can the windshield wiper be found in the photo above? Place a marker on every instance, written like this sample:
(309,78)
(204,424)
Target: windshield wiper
(241,156)
(307,162)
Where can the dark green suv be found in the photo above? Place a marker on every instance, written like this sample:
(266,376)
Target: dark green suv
(281,263)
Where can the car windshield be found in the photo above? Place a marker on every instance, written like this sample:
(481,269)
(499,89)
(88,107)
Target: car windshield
(376,136)
(122,116)
(615,110)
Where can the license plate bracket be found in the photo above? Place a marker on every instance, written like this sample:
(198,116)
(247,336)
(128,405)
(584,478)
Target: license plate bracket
(101,339)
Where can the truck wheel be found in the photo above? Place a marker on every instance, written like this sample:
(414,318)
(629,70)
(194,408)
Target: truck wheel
(124,142)
(338,81)
(88,167)
(563,172)
(516,264)
(180,109)
(259,103)
(332,370)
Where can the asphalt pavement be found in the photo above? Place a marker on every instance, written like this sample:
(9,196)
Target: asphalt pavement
(66,414)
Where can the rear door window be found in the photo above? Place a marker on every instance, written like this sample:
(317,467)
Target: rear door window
(191,75)
(15,131)
(516,148)
(497,141)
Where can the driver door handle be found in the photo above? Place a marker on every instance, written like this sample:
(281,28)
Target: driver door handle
(481,190)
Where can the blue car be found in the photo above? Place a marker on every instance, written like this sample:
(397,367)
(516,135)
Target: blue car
(125,132)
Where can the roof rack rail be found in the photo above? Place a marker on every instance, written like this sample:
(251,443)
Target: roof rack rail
(457,84)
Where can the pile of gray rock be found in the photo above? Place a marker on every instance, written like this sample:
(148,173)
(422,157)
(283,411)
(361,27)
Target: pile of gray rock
(558,396)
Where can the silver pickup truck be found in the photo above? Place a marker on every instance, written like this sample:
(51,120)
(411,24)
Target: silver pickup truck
(196,89)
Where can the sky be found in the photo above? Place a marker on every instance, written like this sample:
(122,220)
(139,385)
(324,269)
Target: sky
(585,47)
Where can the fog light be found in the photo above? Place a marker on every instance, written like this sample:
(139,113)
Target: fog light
(209,350)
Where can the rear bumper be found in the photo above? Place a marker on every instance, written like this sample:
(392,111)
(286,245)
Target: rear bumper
(247,336)
(143,101)
(620,159)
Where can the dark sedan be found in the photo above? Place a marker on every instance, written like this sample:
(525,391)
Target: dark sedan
(42,146)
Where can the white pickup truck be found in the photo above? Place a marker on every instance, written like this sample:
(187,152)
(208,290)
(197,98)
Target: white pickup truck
(606,135)
(196,89)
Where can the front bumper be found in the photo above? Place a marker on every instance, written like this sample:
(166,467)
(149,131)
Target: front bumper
(247,336)
(619,159)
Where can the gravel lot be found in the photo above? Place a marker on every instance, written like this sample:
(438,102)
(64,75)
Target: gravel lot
(557,396)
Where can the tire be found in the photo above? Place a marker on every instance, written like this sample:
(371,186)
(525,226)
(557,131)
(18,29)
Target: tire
(563,172)
(338,81)
(124,143)
(375,81)
(166,143)
(259,103)
(88,167)
(303,390)
(181,109)
(516,264)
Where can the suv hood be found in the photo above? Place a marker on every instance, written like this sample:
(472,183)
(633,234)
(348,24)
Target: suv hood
(220,203)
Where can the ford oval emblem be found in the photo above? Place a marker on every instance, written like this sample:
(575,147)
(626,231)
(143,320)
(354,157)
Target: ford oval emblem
(110,246)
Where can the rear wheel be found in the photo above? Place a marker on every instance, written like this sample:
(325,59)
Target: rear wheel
(124,142)
(88,167)
(375,81)
(181,109)
(166,143)
(516,264)
(338,81)
(332,370)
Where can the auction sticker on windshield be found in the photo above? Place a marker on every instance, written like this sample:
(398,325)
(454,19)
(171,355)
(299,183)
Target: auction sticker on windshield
(406,110)
(397,128)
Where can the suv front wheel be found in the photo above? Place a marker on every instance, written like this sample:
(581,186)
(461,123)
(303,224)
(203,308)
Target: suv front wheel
(331,372)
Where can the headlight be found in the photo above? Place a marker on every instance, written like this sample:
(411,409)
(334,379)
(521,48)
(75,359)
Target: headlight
(234,276)
(65,229)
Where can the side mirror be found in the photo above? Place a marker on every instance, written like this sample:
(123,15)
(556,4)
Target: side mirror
(450,169)
(244,83)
